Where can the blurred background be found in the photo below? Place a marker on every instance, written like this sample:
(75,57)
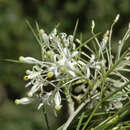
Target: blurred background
(16,39)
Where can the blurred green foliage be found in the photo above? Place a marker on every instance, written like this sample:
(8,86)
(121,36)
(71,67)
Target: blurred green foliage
(16,40)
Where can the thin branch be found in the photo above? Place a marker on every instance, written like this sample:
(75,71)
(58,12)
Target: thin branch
(72,116)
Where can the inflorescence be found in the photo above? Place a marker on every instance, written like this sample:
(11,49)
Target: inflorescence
(63,70)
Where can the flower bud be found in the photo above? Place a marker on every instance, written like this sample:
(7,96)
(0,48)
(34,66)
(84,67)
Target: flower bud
(41,31)
(24,100)
(116,19)
(57,100)
(29,60)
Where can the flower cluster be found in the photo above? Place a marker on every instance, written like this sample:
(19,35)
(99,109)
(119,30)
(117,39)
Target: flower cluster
(58,68)
(66,69)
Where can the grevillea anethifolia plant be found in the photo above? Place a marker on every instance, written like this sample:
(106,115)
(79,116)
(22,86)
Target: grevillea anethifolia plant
(86,76)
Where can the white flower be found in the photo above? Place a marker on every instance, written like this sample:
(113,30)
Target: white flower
(34,89)
(24,100)
(62,65)
(29,60)
(57,100)
(44,36)
(33,75)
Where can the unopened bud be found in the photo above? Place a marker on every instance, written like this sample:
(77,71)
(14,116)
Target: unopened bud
(117,18)
(23,101)
(41,31)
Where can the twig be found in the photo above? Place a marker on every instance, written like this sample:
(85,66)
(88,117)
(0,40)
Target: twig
(74,114)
